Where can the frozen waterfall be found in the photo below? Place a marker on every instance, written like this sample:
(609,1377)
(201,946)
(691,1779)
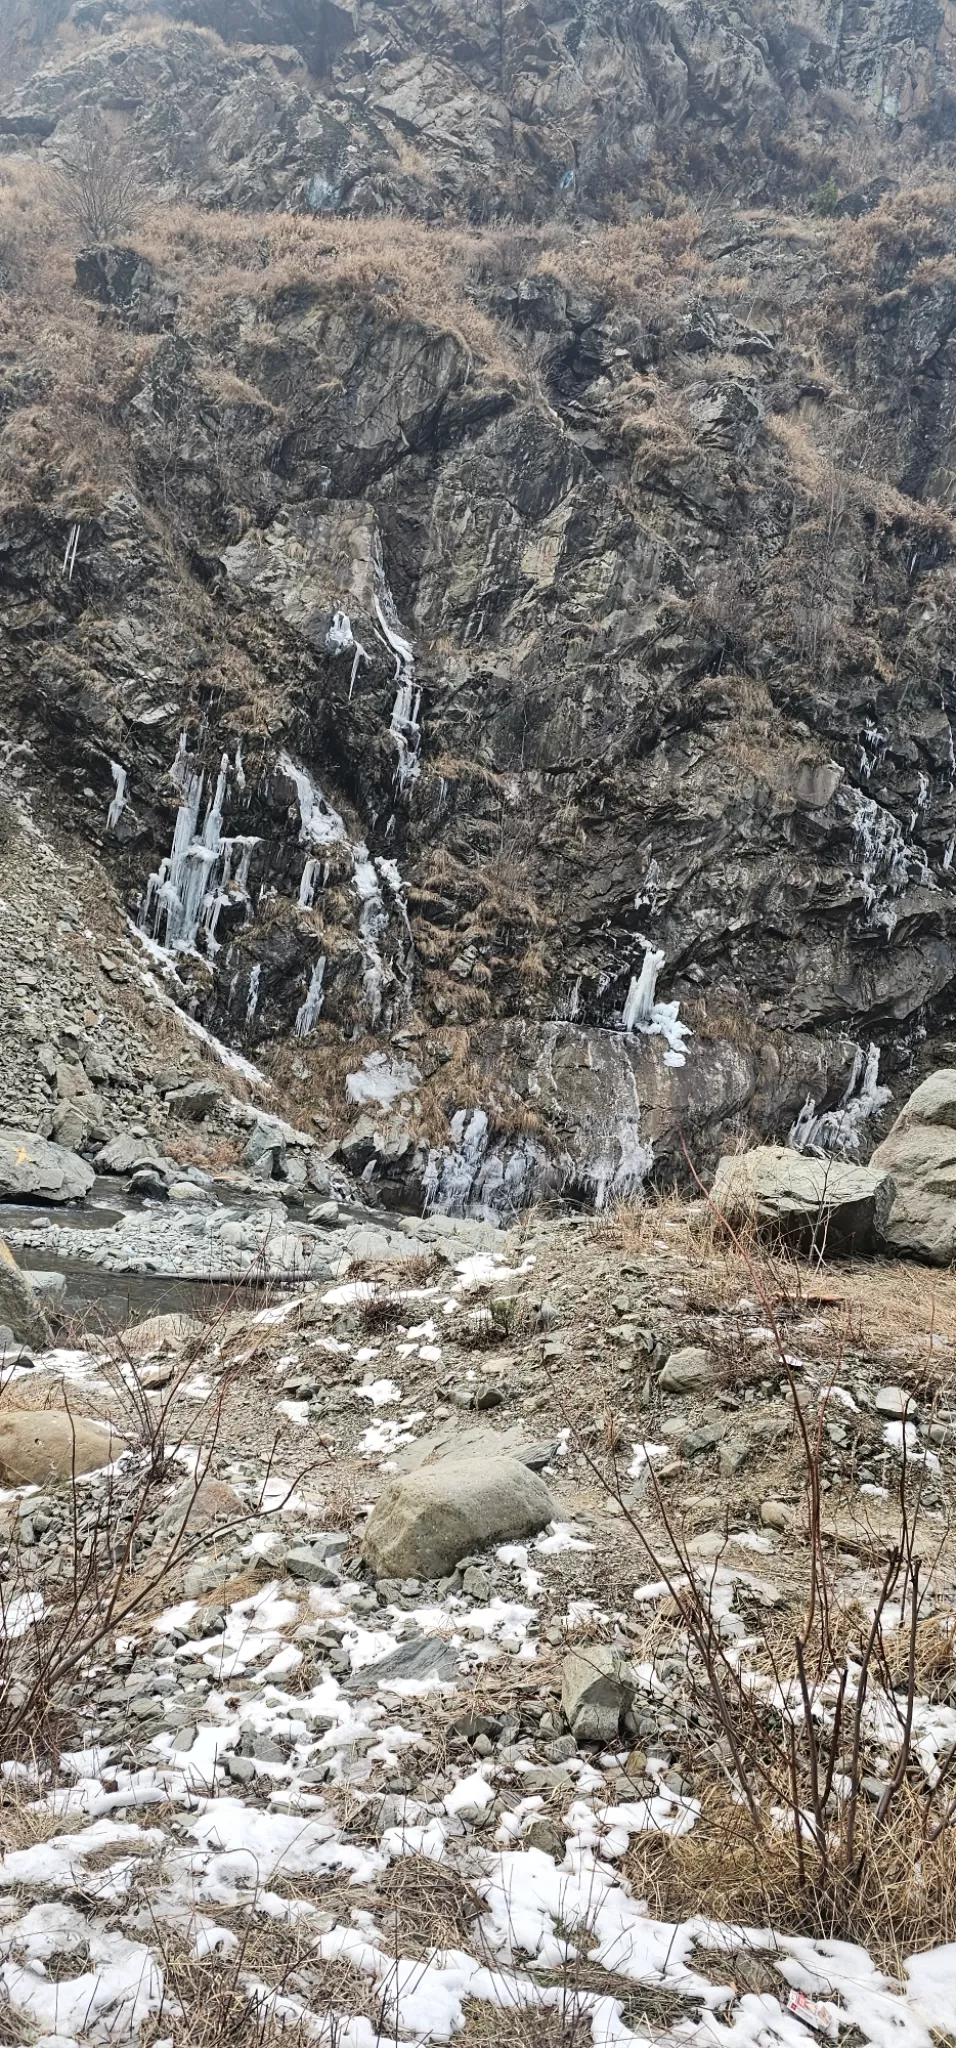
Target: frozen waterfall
(643,1013)
(195,881)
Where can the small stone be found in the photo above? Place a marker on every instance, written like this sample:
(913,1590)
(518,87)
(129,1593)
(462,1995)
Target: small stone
(307,1565)
(596,1689)
(698,1441)
(476,1583)
(546,1836)
(241,1768)
(774,1515)
(893,1403)
(734,1452)
(561,1749)
(326,1215)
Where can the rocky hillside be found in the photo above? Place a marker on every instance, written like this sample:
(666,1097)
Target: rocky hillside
(477,553)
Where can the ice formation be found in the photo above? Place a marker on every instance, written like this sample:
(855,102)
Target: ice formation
(405,727)
(887,863)
(381,1080)
(838,1130)
(465,1178)
(620,1170)
(307,1016)
(309,882)
(401,648)
(639,1003)
(407,733)
(568,1009)
(340,638)
(252,993)
(118,805)
(319,823)
(191,886)
(656,1020)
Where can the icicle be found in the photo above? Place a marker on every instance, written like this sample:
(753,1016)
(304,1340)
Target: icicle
(838,1130)
(307,1016)
(639,1002)
(373,920)
(237,767)
(252,993)
(185,887)
(360,655)
(307,885)
(340,639)
(568,1011)
(69,559)
(118,805)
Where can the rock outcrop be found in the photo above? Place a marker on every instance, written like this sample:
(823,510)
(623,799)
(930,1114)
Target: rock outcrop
(20,1309)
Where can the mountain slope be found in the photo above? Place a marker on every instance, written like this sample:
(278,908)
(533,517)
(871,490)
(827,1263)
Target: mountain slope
(548,573)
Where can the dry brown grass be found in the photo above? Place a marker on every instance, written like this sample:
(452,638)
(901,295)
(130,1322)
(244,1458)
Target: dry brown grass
(23,1824)
(906,1898)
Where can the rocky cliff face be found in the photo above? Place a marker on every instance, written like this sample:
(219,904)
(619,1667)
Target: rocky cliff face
(477,559)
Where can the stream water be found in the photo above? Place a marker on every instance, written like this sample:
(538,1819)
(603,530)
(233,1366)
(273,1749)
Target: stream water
(98,1299)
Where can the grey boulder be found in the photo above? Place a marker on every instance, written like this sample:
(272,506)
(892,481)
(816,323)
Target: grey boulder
(196,1100)
(822,1201)
(919,1155)
(426,1520)
(126,1155)
(32,1166)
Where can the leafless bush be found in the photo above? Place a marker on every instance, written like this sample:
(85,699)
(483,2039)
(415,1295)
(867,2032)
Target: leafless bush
(97,181)
(791,1742)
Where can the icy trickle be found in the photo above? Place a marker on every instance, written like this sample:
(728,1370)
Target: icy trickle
(252,994)
(321,825)
(405,727)
(307,1016)
(838,1130)
(656,1020)
(118,805)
